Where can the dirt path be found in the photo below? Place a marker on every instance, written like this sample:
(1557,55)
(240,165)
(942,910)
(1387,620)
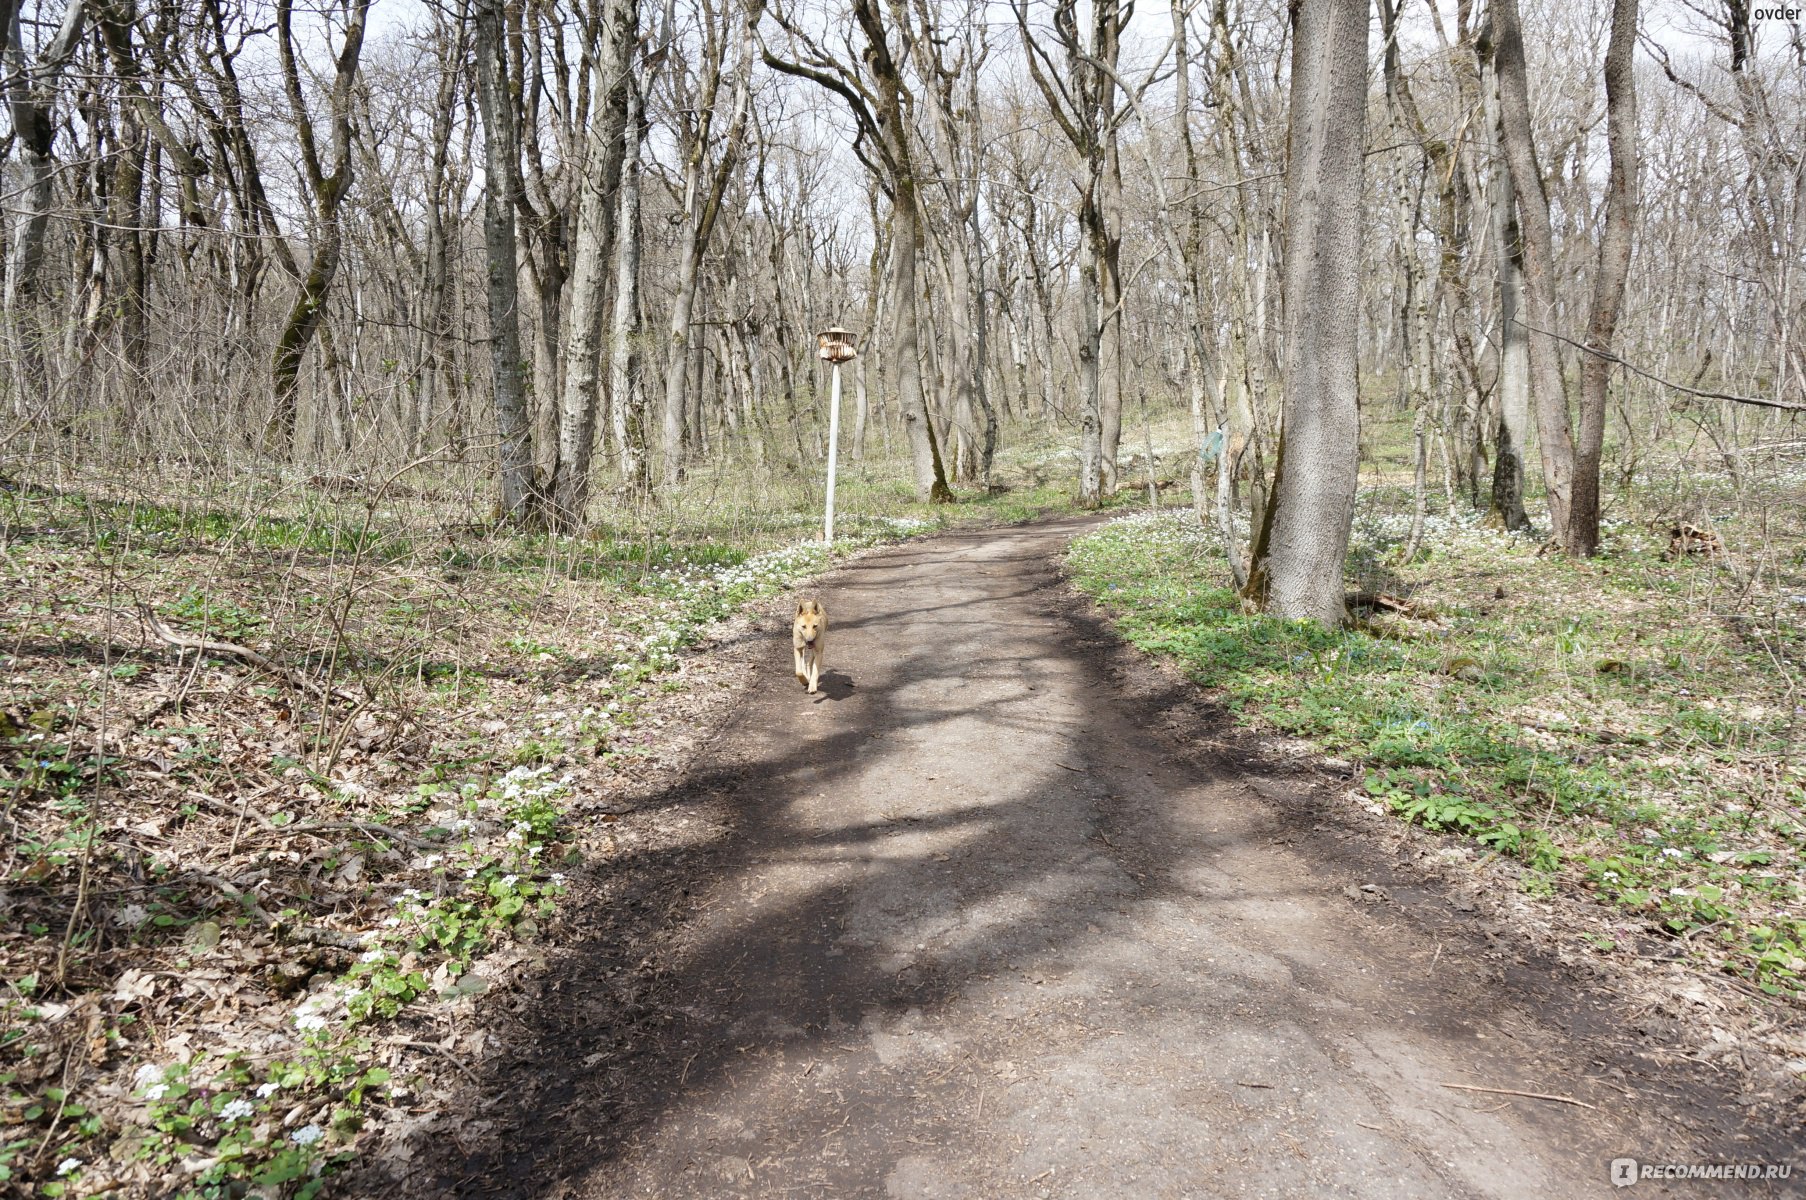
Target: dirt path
(980,922)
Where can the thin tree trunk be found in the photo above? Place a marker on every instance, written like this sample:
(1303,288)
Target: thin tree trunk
(1513,386)
(930,475)
(596,221)
(309,308)
(987,445)
(1582,538)
(1106,44)
(703,190)
(500,243)
(623,353)
(1555,439)
(1090,349)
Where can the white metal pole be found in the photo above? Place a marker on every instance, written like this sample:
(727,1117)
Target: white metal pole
(833,450)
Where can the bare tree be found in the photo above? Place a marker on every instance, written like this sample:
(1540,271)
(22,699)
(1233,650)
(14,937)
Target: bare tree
(706,169)
(596,222)
(1581,537)
(876,100)
(501,185)
(327,188)
(30,92)
(1082,100)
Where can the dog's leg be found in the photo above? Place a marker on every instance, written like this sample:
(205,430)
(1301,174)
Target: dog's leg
(801,675)
(814,657)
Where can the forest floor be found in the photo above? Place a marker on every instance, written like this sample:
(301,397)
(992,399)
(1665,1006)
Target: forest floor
(1011,910)
(249,893)
(465,884)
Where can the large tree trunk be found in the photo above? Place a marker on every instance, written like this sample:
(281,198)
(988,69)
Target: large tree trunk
(500,188)
(1582,537)
(1555,439)
(1313,503)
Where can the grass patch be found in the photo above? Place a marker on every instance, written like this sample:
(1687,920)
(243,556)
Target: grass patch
(1616,726)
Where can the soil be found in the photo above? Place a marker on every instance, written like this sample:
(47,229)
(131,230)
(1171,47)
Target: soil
(1006,911)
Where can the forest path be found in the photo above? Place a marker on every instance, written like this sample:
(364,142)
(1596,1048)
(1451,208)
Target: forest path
(985,923)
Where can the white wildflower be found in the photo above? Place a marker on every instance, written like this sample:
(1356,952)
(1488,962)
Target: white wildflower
(236,1110)
(509,880)
(68,1166)
(307,1135)
(265,1091)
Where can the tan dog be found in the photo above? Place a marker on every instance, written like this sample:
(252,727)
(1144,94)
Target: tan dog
(809,639)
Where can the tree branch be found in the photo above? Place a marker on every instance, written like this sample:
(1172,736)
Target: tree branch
(1759,401)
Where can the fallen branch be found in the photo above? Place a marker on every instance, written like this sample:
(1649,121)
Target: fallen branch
(449,1057)
(1384,602)
(1468,1087)
(316,935)
(369,827)
(313,935)
(233,892)
(188,641)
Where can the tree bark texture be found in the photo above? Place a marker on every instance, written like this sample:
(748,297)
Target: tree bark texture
(1313,503)
(1582,534)
(1554,437)
(580,398)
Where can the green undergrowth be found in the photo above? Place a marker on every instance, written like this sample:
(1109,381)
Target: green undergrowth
(396,840)
(1625,727)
